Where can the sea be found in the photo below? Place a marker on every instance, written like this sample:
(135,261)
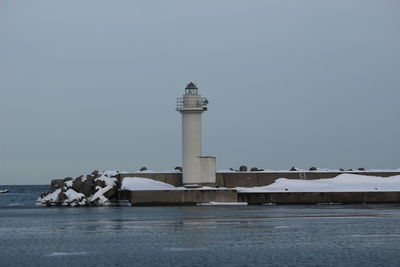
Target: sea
(214,235)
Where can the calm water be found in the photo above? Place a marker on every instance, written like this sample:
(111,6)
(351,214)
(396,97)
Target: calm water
(315,235)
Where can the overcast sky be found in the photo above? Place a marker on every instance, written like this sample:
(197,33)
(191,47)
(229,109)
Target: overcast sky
(88,85)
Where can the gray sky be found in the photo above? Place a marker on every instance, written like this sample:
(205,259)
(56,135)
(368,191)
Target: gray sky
(88,85)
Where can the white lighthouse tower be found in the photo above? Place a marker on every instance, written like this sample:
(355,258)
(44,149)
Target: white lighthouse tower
(197,169)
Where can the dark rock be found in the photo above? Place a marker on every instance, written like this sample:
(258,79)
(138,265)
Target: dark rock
(293,169)
(342,170)
(232,170)
(361,169)
(66,179)
(243,168)
(77,184)
(95,173)
(62,196)
(143,169)
(95,202)
(68,183)
(254,169)
(45,194)
(312,169)
(177,168)
(88,187)
(55,184)
(350,170)
(110,193)
(100,183)
(85,204)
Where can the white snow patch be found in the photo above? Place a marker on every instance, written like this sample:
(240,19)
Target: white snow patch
(341,183)
(107,178)
(110,182)
(144,184)
(140,184)
(53,197)
(73,195)
(224,171)
(100,195)
(69,183)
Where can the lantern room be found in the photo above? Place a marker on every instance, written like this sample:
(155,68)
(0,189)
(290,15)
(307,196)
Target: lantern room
(191,89)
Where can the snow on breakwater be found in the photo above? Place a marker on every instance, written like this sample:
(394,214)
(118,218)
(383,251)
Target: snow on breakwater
(138,183)
(147,184)
(99,188)
(341,183)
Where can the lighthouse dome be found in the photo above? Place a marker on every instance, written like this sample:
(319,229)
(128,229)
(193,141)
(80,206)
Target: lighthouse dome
(191,89)
(191,85)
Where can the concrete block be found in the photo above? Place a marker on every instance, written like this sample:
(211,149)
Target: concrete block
(251,179)
(178,197)
(319,197)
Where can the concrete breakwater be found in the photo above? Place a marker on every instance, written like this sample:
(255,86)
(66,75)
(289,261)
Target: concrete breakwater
(241,179)
(224,190)
(193,197)
(178,197)
(252,179)
(318,197)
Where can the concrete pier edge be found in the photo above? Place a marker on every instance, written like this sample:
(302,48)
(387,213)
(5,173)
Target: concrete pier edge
(230,180)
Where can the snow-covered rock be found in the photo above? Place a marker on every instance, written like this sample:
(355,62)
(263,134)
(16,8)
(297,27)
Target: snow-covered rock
(109,189)
(71,198)
(91,190)
(51,197)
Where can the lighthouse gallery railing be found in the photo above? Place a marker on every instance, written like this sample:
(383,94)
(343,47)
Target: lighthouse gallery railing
(181,103)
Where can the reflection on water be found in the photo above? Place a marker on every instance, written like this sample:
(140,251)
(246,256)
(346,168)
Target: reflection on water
(183,249)
(182,221)
(57,254)
(374,235)
(318,235)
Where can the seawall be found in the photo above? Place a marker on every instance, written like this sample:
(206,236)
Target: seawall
(227,181)
(319,197)
(241,179)
(252,179)
(177,197)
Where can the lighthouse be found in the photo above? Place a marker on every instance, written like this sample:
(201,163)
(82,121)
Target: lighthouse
(197,169)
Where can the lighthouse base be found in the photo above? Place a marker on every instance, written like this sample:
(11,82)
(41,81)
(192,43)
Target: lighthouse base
(202,172)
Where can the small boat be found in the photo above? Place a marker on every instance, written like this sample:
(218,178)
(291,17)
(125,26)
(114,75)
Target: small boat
(4,191)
